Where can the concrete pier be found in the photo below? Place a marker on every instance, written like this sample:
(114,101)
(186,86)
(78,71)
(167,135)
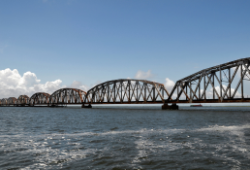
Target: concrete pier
(89,106)
(170,107)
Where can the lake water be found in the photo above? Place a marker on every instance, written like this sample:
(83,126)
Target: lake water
(125,138)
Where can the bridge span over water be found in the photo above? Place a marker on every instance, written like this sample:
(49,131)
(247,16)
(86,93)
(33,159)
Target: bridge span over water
(228,82)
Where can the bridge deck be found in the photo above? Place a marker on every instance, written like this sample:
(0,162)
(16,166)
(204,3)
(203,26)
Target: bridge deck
(239,100)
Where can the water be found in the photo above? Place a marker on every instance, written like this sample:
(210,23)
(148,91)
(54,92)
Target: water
(118,139)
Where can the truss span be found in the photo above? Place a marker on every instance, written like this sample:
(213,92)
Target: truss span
(67,96)
(4,101)
(12,101)
(221,83)
(39,98)
(126,91)
(22,100)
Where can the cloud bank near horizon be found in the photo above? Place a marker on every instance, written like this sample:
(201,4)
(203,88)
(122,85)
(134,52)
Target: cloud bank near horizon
(12,84)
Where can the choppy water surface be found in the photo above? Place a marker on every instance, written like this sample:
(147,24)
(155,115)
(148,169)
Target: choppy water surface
(75,138)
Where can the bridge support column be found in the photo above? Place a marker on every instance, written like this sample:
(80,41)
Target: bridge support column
(89,106)
(174,106)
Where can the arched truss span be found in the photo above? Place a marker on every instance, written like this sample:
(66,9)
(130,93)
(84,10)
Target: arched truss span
(4,101)
(67,96)
(126,91)
(11,101)
(39,98)
(221,83)
(23,99)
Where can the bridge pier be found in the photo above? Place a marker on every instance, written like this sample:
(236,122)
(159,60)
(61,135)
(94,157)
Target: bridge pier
(89,106)
(174,106)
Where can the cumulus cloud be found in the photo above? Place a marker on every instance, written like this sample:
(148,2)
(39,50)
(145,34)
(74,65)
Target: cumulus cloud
(79,85)
(12,84)
(144,75)
(209,92)
(169,84)
(237,94)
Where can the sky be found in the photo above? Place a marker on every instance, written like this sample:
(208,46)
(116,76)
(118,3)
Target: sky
(49,44)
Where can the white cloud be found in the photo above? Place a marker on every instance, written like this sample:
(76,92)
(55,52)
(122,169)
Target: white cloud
(209,93)
(144,75)
(237,94)
(79,85)
(12,84)
(169,84)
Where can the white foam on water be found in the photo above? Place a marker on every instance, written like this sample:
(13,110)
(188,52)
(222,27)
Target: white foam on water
(57,136)
(51,158)
(233,132)
(234,143)
(35,166)
(225,128)
(146,147)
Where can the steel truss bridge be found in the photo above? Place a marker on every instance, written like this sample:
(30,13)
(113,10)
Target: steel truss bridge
(228,82)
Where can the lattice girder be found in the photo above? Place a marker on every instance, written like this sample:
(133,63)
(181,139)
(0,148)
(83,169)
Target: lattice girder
(12,101)
(67,96)
(4,101)
(126,91)
(221,82)
(23,99)
(39,98)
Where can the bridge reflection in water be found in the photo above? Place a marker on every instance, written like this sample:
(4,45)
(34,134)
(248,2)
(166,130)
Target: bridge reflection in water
(228,82)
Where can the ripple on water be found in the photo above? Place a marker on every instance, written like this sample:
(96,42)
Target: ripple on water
(182,139)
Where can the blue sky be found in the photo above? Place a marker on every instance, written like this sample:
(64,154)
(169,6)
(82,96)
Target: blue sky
(93,41)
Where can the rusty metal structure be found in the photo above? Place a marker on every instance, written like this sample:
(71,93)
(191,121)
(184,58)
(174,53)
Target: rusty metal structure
(4,101)
(39,98)
(218,84)
(22,100)
(12,101)
(126,91)
(66,96)
(228,82)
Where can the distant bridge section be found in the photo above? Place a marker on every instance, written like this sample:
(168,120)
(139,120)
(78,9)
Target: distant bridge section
(66,96)
(4,102)
(11,101)
(39,98)
(22,100)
